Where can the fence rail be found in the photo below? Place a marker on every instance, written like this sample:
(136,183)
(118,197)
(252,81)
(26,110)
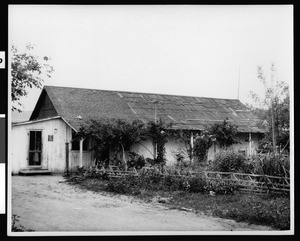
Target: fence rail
(245,182)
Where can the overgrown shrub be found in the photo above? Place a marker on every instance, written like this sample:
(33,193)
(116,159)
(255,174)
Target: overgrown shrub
(182,158)
(197,185)
(227,161)
(222,186)
(124,185)
(173,183)
(152,179)
(272,164)
(135,160)
(224,134)
(202,143)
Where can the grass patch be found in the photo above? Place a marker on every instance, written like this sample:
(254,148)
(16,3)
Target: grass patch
(263,210)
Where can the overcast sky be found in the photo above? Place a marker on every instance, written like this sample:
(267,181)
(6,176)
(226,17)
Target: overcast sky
(194,50)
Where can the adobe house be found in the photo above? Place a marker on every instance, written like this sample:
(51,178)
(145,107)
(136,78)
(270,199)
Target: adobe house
(46,141)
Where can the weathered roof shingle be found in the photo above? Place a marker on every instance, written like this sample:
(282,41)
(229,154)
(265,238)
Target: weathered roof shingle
(184,112)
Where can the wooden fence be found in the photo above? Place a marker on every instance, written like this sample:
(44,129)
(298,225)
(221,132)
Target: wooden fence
(245,182)
(252,182)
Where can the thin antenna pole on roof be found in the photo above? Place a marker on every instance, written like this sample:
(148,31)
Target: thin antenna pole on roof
(238,94)
(155,110)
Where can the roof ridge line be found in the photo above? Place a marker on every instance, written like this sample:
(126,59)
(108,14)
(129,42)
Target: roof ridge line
(136,92)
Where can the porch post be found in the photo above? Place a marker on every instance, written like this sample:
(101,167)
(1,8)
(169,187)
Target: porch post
(67,157)
(250,147)
(192,145)
(80,152)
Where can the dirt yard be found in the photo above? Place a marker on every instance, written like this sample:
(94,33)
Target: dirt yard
(46,203)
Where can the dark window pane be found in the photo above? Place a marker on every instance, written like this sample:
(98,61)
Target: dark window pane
(31,156)
(38,141)
(32,140)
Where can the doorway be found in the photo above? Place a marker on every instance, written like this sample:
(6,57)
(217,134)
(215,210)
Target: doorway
(35,148)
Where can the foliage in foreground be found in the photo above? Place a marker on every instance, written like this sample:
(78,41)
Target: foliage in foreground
(152,180)
(15,226)
(192,192)
(27,71)
(262,210)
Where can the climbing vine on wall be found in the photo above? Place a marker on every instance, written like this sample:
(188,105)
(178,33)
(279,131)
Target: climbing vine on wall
(224,134)
(118,136)
(158,132)
(115,135)
(203,141)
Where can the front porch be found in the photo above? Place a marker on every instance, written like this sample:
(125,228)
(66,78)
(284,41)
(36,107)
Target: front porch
(34,171)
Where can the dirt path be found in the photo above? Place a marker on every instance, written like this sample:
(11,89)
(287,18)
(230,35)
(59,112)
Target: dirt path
(45,204)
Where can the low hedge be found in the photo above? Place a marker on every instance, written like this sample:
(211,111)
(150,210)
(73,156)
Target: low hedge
(155,182)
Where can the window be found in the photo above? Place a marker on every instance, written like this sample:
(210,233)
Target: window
(35,148)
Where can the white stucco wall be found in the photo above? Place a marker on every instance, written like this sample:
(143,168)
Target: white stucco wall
(174,146)
(146,149)
(243,146)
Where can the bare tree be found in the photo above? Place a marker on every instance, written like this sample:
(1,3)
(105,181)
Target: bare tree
(276,93)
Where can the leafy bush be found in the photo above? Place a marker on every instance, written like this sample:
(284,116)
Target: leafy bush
(228,161)
(173,183)
(135,160)
(182,158)
(222,186)
(202,143)
(197,185)
(225,134)
(272,164)
(152,179)
(124,185)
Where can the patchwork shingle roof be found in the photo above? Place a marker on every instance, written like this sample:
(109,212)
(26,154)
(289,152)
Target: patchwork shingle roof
(185,112)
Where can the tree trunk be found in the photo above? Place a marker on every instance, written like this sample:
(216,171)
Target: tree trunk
(123,156)
(273,128)
(155,150)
